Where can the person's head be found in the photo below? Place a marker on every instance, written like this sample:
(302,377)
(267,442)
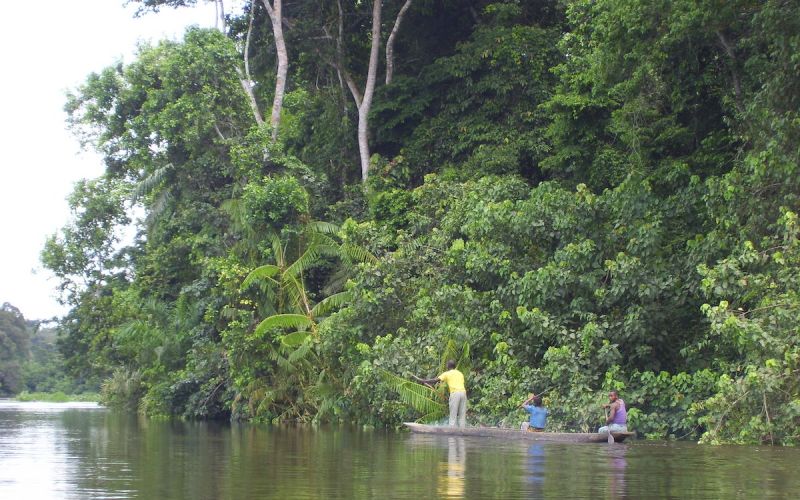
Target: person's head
(451,364)
(537,401)
(613,396)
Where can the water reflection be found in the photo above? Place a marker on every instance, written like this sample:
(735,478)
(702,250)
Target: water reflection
(535,467)
(63,453)
(453,472)
(616,470)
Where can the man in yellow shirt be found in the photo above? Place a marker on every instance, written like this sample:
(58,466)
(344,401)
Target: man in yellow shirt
(458,392)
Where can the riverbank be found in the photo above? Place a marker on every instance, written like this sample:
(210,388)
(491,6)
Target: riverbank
(57,397)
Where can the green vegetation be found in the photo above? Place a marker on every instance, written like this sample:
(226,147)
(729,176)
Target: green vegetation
(31,367)
(14,348)
(57,397)
(586,194)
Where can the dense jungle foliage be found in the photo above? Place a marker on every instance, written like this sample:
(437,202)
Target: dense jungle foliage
(575,195)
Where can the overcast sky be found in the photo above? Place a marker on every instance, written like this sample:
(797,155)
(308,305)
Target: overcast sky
(47,47)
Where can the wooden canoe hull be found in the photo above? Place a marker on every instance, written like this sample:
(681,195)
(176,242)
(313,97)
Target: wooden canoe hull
(559,437)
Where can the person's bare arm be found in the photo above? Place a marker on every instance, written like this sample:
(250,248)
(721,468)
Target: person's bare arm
(530,398)
(613,411)
(427,381)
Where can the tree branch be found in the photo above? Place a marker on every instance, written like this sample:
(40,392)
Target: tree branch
(247,40)
(390,41)
(244,77)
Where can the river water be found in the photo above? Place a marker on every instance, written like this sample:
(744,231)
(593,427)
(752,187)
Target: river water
(79,450)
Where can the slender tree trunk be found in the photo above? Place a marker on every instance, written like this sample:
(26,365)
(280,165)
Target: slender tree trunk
(737,86)
(390,41)
(244,76)
(248,87)
(275,11)
(369,90)
(364,101)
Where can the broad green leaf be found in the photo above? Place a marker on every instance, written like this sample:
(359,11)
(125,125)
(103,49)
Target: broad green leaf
(324,227)
(282,321)
(260,273)
(330,303)
(294,339)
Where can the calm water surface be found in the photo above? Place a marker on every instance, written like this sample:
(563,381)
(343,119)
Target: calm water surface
(83,451)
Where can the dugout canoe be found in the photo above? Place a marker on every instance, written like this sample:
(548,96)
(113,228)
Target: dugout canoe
(496,432)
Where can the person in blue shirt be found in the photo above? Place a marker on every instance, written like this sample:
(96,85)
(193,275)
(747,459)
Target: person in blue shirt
(538,419)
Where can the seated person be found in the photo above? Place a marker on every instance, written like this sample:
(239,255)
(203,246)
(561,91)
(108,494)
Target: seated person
(617,419)
(538,418)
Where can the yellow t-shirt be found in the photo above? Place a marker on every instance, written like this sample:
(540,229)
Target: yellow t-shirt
(454,380)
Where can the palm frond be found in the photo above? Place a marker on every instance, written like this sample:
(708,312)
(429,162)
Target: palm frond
(294,290)
(420,397)
(149,183)
(237,211)
(450,351)
(283,362)
(265,272)
(357,253)
(328,250)
(278,250)
(158,207)
(131,329)
(434,416)
(294,339)
(465,361)
(309,257)
(330,303)
(323,227)
(300,353)
(460,356)
(282,321)
(337,280)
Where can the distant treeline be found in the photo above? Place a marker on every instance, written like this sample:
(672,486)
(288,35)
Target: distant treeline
(29,357)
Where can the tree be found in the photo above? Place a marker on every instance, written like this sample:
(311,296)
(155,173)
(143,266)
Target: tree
(290,301)
(274,9)
(84,254)
(14,349)
(293,377)
(363,99)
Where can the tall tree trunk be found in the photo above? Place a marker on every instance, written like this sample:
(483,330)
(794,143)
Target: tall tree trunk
(275,11)
(364,101)
(369,90)
(244,76)
(390,41)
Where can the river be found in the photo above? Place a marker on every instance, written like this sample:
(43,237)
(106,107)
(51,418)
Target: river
(80,450)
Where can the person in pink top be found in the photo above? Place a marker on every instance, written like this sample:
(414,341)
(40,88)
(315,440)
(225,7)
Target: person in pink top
(617,420)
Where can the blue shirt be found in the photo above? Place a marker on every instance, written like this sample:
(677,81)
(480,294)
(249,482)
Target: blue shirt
(538,416)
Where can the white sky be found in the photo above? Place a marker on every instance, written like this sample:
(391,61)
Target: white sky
(47,47)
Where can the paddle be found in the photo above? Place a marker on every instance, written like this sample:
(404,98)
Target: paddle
(610,436)
(532,394)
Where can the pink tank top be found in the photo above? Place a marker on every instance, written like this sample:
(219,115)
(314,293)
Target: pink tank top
(621,416)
